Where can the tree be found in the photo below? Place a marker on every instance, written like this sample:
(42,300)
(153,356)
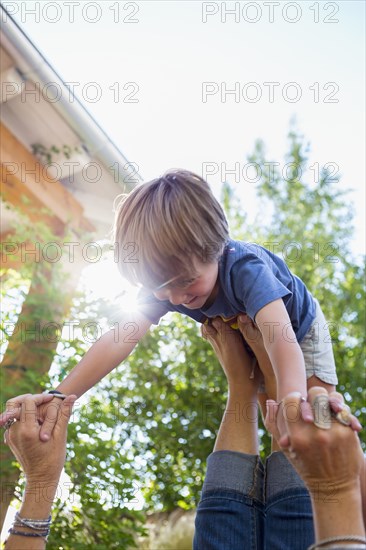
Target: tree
(149,426)
(29,337)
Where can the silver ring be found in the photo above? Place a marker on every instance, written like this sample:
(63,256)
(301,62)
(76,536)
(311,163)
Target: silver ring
(322,412)
(9,423)
(344,416)
(6,427)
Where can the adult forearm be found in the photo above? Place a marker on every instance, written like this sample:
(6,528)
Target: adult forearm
(37,505)
(337,513)
(239,426)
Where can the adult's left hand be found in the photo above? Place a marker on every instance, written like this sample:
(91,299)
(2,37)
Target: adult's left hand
(40,461)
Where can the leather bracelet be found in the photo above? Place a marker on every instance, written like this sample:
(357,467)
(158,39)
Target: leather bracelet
(58,394)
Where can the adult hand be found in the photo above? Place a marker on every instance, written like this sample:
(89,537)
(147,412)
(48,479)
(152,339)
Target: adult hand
(228,345)
(47,412)
(41,461)
(252,335)
(323,458)
(13,406)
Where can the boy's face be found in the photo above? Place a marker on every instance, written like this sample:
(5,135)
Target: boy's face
(192,293)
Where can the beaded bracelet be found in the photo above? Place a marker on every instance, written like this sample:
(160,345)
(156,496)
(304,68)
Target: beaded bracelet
(350,538)
(36,524)
(23,534)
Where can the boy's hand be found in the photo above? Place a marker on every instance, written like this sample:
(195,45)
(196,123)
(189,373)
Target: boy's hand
(13,406)
(47,412)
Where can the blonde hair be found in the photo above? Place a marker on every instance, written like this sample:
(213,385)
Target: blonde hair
(163,225)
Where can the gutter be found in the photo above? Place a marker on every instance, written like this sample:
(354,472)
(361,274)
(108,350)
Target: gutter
(30,63)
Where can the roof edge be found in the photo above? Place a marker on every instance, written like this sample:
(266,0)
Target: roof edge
(31,61)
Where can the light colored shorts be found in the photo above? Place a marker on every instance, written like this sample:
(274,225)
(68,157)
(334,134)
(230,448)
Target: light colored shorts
(318,350)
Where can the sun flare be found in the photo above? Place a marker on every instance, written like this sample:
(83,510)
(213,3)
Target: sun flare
(103,280)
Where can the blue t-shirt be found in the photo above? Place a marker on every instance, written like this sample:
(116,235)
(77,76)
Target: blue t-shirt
(250,277)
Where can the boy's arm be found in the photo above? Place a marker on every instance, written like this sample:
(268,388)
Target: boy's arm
(106,354)
(283,349)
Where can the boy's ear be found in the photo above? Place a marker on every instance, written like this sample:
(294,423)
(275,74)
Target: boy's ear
(210,250)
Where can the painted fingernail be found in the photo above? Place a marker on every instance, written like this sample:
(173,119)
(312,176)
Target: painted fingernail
(45,437)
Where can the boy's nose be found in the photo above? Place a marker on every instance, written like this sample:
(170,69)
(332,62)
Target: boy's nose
(176,298)
(161,294)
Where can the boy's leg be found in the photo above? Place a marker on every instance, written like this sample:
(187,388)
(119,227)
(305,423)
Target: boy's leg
(313,381)
(230,513)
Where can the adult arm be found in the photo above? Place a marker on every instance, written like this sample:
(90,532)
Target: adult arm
(239,427)
(330,463)
(42,464)
(234,475)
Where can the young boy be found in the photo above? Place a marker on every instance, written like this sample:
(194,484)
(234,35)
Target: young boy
(172,239)
(185,261)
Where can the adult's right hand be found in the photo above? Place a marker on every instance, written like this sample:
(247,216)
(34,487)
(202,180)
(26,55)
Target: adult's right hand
(323,458)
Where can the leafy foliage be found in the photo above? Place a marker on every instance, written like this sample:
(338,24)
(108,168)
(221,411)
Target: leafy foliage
(311,226)
(149,426)
(167,398)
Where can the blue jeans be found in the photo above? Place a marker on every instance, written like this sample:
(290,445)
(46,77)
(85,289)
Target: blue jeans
(245,506)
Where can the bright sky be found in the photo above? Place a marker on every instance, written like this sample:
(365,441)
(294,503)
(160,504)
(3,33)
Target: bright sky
(176,59)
